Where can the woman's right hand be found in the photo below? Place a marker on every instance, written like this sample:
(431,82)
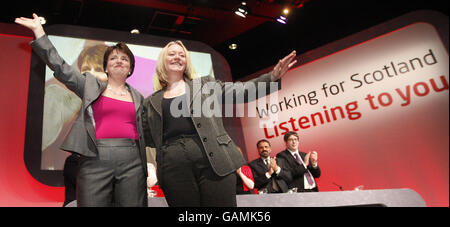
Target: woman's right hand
(34,24)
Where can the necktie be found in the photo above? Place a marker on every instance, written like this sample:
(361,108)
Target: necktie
(274,182)
(307,174)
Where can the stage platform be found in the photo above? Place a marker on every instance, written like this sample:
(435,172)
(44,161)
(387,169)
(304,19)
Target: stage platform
(366,198)
(385,197)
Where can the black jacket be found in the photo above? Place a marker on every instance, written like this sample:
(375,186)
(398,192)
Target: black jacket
(294,172)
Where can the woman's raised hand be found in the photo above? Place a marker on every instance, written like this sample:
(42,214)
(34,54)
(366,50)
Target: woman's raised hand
(283,65)
(34,24)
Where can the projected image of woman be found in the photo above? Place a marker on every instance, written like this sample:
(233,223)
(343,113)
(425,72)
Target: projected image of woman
(61,106)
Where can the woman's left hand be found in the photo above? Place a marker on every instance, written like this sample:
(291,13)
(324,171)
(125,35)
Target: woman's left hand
(283,65)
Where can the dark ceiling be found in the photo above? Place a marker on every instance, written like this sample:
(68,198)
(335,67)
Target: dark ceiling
(261,40)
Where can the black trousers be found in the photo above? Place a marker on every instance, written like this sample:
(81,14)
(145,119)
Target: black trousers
(187,179)
(114,178)
(70,178)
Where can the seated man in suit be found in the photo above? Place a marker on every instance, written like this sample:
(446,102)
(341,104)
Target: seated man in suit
(266,172)
(300,168)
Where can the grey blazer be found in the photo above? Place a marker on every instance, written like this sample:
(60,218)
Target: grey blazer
(81,138)
(220,149)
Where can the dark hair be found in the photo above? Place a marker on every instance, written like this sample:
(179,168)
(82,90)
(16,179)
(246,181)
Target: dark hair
(288,134)
(262,140)
(121,47)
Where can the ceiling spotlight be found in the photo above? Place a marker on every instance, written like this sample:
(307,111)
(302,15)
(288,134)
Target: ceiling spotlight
(283,16)
(135,31)
(242,10)
(42,20)
(232,46)
(282,19)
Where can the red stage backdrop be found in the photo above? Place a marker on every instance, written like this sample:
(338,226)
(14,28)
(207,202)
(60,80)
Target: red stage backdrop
(17,186)
(377,113)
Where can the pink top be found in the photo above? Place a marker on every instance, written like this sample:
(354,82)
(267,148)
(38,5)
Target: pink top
(114,118)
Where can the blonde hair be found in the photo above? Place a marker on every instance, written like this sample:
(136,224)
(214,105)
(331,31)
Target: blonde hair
(160,76)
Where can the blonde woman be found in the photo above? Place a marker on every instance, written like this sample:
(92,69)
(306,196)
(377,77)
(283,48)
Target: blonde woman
(196,158)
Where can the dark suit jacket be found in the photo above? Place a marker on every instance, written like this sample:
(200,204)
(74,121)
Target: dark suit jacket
(294,172)
(81,138)
(221,151)
(259,170)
